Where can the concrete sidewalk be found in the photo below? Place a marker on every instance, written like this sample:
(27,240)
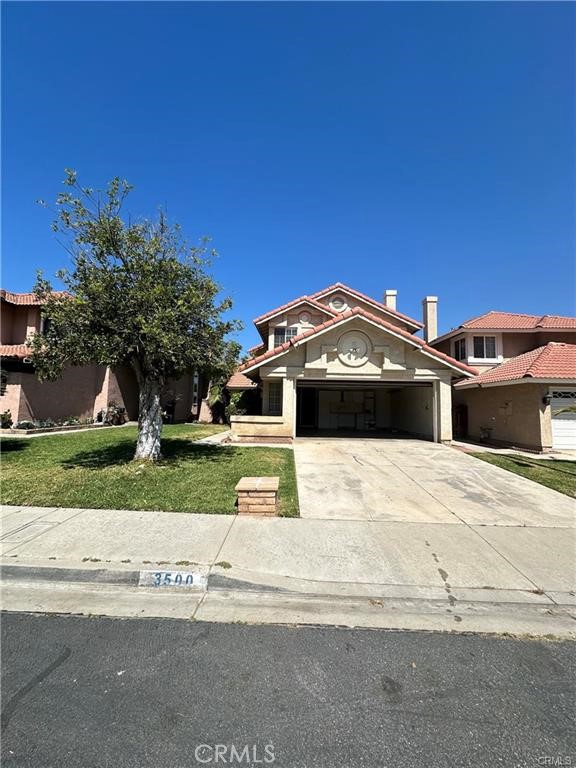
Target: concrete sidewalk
(285,569)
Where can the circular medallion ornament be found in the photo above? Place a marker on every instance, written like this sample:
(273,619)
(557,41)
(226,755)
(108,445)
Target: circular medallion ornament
(353,349)
(304,317)
(338,304)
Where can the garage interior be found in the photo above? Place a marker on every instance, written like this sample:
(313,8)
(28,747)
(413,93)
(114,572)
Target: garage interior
(374,409)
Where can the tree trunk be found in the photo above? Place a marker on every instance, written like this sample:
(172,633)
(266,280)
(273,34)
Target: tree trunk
(149,421)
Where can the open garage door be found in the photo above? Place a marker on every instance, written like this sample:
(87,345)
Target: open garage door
(383,409)
(563,405)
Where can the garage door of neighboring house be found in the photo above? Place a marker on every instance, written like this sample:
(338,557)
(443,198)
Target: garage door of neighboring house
(563,405)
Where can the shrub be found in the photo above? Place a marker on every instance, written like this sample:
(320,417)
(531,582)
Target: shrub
(24,424)
(6,420)
(115,414)
(43,423)
(70,421)
(241,403)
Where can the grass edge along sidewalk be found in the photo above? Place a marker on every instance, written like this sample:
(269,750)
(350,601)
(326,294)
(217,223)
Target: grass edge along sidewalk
(94,469)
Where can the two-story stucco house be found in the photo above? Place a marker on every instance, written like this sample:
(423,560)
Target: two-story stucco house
(525,390)
(340,361)
(81,391)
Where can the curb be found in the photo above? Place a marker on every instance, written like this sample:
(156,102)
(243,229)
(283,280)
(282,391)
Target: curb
(129,578)
(78,575)
(218,598)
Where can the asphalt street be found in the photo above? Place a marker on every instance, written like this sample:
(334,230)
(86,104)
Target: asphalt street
(145,693)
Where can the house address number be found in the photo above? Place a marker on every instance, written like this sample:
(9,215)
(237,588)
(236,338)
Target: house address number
(179,579)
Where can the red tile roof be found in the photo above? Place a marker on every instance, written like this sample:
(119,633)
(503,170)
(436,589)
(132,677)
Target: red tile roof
(29,299)
(239,381)
(551,361)
(312,299)
(364,297)
(511,320)
(15,350)
(359,312)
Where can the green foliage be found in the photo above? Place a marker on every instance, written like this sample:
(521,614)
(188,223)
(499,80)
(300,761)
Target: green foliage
(136,295)
(69,421)
(94,469)
(25,424)
(6,420)
(241,403)
(235,406)
(114,414)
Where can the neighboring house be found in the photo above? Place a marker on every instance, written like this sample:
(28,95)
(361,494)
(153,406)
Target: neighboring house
(81,392)
(525,392)
(338,361)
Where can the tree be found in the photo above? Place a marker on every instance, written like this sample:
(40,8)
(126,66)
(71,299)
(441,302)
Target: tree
(136,295)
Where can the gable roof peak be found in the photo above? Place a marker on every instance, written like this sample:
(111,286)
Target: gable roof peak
(416,324)
(420,344)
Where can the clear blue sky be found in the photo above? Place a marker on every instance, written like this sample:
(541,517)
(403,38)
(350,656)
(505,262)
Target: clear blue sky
(423,147)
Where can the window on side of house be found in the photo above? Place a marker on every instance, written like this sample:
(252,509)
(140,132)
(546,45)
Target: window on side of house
(283,334)
(275,398)
(484,347)
(460,349)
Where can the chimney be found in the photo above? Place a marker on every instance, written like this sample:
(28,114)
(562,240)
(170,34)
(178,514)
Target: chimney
(390,298)
(430,317)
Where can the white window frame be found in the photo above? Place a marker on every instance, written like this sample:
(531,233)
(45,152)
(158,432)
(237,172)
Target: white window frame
(497,348)
(460,340)
(275,390)
(288,331)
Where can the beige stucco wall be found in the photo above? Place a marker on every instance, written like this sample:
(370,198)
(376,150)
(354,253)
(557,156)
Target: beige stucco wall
(411,410)
(72,395)
(10,400)
(390,359)
(353,302)
(514,344)
(266,425)
(124,390)
(515,414)
(7,312)
(253,427)
(18,322)
(20,325)
(291,318)
(83,391)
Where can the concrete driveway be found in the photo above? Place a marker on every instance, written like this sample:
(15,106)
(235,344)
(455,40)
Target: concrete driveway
(414,481)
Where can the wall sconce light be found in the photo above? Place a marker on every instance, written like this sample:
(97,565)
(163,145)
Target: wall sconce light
(547,399)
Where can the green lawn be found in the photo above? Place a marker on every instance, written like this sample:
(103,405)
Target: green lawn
(559,475)
(95,469)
